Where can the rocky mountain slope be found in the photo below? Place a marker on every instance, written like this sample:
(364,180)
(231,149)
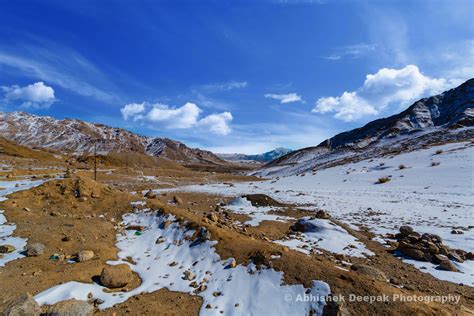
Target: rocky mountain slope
(265,157)
(446,117)
(79,137)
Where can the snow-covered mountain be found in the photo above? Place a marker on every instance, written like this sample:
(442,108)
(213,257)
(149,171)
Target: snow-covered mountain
(78,137)
(446,117)
(265,157)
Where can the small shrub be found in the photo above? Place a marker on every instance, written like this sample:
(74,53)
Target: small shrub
(401,167)
(435,163)
(439,151)
(383,179)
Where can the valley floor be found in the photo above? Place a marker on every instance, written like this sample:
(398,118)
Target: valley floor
(197,244)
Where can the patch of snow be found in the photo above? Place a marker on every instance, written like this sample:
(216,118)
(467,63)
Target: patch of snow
(6,230)
(324,234)
(255,292)
(241,205)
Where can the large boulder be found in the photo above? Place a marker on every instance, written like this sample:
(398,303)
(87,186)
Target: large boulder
(447,265)
(115,276)
(25,305)
(71,308)
(85,255)
(405,230)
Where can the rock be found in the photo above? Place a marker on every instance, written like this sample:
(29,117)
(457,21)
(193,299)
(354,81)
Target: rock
(322,214)
(405,230)
(82,199)
(469,255)
(71,308)
(334,307)
(262,200)
(85,255)
(34,250)
(7,248)
(116,276)
(432,248)
(213,217)
(454,256)
(177,200)
(26,209)
(302,225)
(258,258)
(201,236)
(188,275)
(438,258)
(369,271)
(447,266)
(413,253)
(150,195)
(25,305)
(135,227)
(232,264)
(457,232)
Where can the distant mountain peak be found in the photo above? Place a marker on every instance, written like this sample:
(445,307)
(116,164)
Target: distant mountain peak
(265,157)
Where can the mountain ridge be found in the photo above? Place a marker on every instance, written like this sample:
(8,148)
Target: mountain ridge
(445,117)
(80,137)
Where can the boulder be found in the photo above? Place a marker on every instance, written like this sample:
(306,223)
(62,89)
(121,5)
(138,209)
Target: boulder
(413,253)
(262,200)
(334,307)
(447,266)
(189,275)
(71,308)
(369,271)
(34,250)
(25,305)
(115,276)
(85,255)
(405,230)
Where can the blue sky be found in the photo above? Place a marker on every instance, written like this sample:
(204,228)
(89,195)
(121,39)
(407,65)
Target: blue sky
(231,76)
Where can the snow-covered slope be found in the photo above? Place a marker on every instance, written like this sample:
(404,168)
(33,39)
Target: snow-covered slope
(434,120)
(429,189)
(76,136)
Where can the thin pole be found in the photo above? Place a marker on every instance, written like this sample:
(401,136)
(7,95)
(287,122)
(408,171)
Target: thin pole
(95,160)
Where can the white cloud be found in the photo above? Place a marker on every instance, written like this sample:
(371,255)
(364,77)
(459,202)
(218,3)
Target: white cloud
(36,95)
(352,51)
(223,86)
(184,117)
(387,87)
(284,98)
(132,110)
(217,123)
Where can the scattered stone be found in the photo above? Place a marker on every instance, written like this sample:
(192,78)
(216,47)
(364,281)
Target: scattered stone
(82,199)
(177,200)
(454,256)
(232,264)
(369,271)
(26,209)
(34,250)
(150,195)
(457,232)
(7,248)
(71,307)
(216,294)
(115,276)
(322,214)
(188,275)
(213,217)
(85,255)
(23,305)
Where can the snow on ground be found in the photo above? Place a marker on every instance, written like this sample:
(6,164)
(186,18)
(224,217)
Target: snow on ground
(324,234)
(241,205)
(255,292)
(7,229)
(433,193)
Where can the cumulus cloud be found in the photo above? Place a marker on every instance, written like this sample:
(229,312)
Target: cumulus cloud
(387,87)
(184,117)
(36,95)
(284,98)
(132,110)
